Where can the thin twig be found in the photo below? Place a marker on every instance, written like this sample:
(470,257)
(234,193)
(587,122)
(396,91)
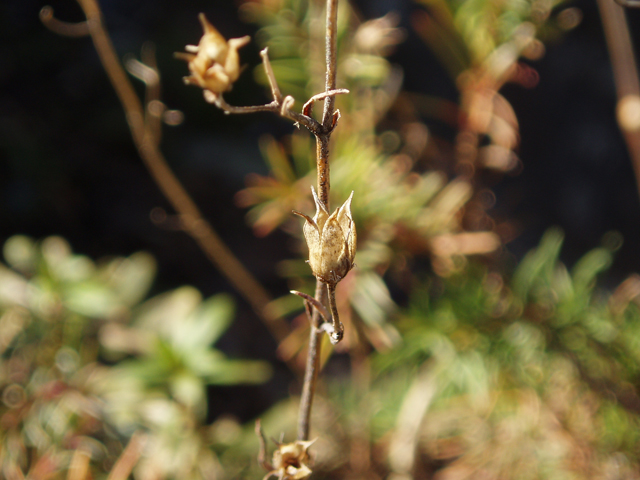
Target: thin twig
(314,303)
(66,29)
(625,75)
(262,453)
(226,108)
(322,162)
(306,109)
(331,36)
(312,368)
(279,105)
(337,331)
(128,459)
(79,465)
(268,70)
(193,222)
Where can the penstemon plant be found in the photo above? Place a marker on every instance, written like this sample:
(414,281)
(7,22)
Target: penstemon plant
(404,210)
(214,66)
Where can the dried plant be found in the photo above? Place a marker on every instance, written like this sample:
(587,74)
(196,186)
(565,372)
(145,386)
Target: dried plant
(476,358)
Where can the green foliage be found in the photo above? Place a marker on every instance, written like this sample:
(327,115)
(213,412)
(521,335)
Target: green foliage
(60,314)
(539,361)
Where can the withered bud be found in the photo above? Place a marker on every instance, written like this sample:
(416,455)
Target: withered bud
(331,241)
(290,461)
(214,63)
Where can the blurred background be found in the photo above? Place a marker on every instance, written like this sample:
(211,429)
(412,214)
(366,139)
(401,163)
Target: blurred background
(493,186)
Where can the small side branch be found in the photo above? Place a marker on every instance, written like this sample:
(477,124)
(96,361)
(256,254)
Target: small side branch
(280,105)
(66,29)
(337,329)
(271,77)
(306,109)
(262,453)
(315,304)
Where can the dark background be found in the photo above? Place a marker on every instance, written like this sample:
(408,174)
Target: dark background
(68,166)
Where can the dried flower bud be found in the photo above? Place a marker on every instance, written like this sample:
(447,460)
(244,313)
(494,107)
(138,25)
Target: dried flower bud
(331,241)
(214,63)
(290,461)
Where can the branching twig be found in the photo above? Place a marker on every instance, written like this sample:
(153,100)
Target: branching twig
(314,303)
(323,184)
(147,144)
(280,105)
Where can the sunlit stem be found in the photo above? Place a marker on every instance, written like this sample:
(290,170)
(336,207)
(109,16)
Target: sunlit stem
(337,328)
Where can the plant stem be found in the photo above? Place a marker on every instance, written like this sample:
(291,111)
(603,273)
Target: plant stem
(148,148)
(331,62)
(625,75)
(312,367)
(338,329)
(323,184)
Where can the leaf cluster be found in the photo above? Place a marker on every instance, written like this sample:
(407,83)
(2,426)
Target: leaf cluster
(85,364)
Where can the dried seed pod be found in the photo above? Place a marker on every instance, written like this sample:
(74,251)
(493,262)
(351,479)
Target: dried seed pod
(331,241)
(214,63)
(290,461)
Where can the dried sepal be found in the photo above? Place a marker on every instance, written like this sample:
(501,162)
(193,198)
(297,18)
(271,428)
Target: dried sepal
(214,63)
(290,461)
(331,240)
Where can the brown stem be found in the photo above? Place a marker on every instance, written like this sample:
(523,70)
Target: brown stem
(128,459)
(262,453)
(193,222)
(315,304)
(306,109)
(279,108)
(338,328)
(66,29)
(331,36)
(625,74)
(279,105)
(312,368)
(322,162)
(322,165)
(224,106)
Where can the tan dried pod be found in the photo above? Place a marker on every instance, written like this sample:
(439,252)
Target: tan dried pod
(331,240)
(290,461)
(214,63)
(332,243)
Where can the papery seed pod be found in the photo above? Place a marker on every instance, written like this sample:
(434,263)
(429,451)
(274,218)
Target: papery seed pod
(290,461)
(214,63)
(331,241)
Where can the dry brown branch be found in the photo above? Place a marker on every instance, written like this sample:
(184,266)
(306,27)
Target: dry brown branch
(625,74)
(262,453)
(128,459)
(146,143)
(65,29)
(79,466)
(323,186)
(280,105)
